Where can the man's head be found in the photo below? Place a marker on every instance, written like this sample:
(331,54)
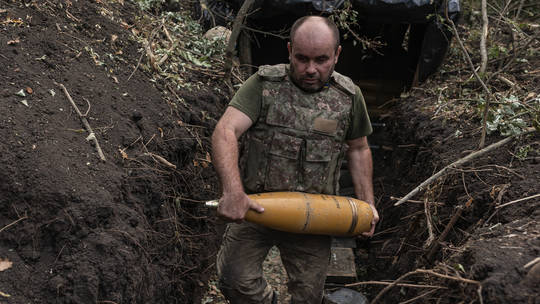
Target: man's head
(313,51)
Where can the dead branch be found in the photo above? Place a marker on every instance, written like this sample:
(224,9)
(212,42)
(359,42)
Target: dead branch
(150,55)
(507,81)
(154,32)
(161,159)
(518,200)
(416,201)
(457,163)
(15,222)
(266,33)
(236,29)
(445,232)
(531,263)
(488,91)
(390,283)
(483,38)
(431,272)
(519,9)
(429,225)
(171,46)
(92,135)
(167,32)
(418,297)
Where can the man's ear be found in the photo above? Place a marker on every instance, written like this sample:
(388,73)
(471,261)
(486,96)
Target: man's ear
(338,51)
(289,49)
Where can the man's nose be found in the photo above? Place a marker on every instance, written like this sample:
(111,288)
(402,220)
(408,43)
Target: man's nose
(311,68)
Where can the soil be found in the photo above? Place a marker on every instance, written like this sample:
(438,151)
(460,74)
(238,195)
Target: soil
(79,230)
(131,230)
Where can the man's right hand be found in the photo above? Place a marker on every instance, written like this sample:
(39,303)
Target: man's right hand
(233,206)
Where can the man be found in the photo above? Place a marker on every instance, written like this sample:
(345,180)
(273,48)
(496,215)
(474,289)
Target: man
(298,120)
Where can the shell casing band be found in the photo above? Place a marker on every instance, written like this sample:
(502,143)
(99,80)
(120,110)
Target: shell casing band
(354,221)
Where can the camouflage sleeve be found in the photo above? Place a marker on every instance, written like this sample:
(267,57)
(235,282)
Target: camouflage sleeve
(248,98)
(360,123)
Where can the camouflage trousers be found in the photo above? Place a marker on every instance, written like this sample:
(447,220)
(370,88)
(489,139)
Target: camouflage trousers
(244,248)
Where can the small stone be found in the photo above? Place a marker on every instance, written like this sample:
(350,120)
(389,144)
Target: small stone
(21,93)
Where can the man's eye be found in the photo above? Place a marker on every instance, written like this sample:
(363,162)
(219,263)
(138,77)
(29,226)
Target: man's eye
(321,60)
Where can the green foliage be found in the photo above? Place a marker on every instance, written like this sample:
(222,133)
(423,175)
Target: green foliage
(346,20)
(523,152)
(155,5)
(344,17)
(178,45)
(496,51)
(509,117)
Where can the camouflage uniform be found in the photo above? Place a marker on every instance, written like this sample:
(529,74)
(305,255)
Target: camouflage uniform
(295,144)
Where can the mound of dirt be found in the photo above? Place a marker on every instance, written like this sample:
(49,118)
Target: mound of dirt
(486,244)
(77,229)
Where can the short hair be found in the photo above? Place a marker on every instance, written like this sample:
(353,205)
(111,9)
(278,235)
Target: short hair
(331,25)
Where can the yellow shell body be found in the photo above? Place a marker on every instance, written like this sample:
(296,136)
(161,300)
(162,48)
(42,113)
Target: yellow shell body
(299,212)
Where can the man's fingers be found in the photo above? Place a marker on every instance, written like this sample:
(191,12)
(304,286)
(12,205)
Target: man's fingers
(372,230)
(255,206)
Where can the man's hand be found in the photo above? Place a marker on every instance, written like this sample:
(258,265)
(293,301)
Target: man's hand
(374,221)
(233,206)
(234,203)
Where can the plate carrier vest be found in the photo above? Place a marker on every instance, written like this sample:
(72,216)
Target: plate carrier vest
(298,141)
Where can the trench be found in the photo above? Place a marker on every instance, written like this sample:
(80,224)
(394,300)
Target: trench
(399,163)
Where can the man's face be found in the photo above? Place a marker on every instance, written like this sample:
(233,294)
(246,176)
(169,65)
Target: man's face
(312,57)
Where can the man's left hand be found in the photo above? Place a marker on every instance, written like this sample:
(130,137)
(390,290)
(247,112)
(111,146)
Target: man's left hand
(373,221)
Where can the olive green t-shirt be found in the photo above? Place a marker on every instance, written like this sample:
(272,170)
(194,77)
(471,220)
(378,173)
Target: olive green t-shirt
(248,100)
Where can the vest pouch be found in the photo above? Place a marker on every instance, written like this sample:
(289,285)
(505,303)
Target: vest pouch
(283,163)
(254,165)
(315,166)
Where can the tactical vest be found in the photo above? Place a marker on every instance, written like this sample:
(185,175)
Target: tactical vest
(297,143)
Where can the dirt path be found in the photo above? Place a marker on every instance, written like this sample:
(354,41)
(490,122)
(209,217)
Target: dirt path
(273,272)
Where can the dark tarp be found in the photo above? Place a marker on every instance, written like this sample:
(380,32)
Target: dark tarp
(425,17)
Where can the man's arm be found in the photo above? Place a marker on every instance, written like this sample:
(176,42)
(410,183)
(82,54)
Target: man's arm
(234,202)
(361,169)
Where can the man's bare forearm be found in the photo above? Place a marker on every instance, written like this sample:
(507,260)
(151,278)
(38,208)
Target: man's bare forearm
(234,203)
(225,159)
(361,169)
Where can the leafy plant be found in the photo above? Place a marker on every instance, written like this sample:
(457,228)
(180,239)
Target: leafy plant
(176,45)
(523,152)
(509,116)
(345,19)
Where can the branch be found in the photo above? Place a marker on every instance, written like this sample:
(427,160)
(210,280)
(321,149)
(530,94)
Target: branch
(161,159)
(390,283)
(427,212)
(444,234)
(456,164)
(236,29)
(92,135)
(488,91)
(518,200)
(483,37)
(401,278)
(13,223)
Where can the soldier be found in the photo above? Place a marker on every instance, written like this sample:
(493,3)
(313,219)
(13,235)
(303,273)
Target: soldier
(299,120)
